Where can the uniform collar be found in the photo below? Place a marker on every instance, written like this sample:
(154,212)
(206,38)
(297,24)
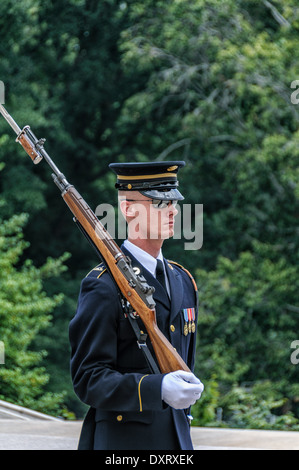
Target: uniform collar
(175,281)
(144,258)
(147,269)
(173,277)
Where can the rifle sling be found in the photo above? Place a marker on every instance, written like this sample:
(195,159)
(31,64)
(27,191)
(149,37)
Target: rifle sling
(141,341)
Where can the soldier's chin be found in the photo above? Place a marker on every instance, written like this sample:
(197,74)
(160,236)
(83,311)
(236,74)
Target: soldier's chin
(168,233)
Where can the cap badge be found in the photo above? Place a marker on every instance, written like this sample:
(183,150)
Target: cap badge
(171,168)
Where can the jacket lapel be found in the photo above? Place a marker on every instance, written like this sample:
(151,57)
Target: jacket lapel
(176,290)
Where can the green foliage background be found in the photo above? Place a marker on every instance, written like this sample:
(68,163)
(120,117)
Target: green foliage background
(204,81)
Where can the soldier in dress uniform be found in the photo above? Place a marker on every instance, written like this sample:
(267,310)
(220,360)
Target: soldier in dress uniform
(130,407)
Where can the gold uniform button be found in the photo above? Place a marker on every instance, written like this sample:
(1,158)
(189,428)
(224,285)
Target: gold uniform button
(172,327)
(119,418)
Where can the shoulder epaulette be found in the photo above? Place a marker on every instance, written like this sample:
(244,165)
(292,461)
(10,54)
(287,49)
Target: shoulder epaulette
(97,271)
(186,271)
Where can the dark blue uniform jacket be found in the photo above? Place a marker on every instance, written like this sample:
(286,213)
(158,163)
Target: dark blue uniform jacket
(110,373)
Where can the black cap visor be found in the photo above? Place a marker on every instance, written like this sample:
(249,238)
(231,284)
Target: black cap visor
(163,195)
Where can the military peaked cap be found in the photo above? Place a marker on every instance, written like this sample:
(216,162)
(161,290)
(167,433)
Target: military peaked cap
(156,180)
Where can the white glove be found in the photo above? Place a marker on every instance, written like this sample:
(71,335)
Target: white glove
(181,389)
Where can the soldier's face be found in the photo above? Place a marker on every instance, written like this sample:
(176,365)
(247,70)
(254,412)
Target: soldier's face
(148,222)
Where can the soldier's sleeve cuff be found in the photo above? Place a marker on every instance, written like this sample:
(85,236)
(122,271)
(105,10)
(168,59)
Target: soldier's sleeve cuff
(149,392)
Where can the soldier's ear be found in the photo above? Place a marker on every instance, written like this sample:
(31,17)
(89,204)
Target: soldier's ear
(127,208)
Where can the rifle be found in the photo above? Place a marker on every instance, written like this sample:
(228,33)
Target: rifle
(132,286)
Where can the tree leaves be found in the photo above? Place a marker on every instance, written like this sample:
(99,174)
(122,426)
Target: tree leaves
(207,82)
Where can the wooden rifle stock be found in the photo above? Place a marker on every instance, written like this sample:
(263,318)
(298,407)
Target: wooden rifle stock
(132,286)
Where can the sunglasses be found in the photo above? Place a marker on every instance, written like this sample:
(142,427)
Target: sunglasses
(156,203)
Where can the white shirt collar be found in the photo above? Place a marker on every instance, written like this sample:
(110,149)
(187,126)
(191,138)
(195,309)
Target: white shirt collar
(144,258)
(147,260)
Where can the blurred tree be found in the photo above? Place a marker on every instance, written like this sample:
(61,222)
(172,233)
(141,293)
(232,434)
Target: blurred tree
(24,311)
(248,320)
(61,68)
(218,95)
(204,81)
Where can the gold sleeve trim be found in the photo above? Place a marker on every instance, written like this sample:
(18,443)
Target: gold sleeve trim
(139,394)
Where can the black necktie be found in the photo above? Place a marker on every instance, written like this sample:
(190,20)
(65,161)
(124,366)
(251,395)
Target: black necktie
(160,276)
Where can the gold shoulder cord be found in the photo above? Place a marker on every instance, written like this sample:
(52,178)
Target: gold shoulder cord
(186,271)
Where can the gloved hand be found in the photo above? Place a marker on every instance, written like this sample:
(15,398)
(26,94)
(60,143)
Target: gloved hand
(181,389)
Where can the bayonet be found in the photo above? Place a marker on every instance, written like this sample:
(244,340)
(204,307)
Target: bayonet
(10,120)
